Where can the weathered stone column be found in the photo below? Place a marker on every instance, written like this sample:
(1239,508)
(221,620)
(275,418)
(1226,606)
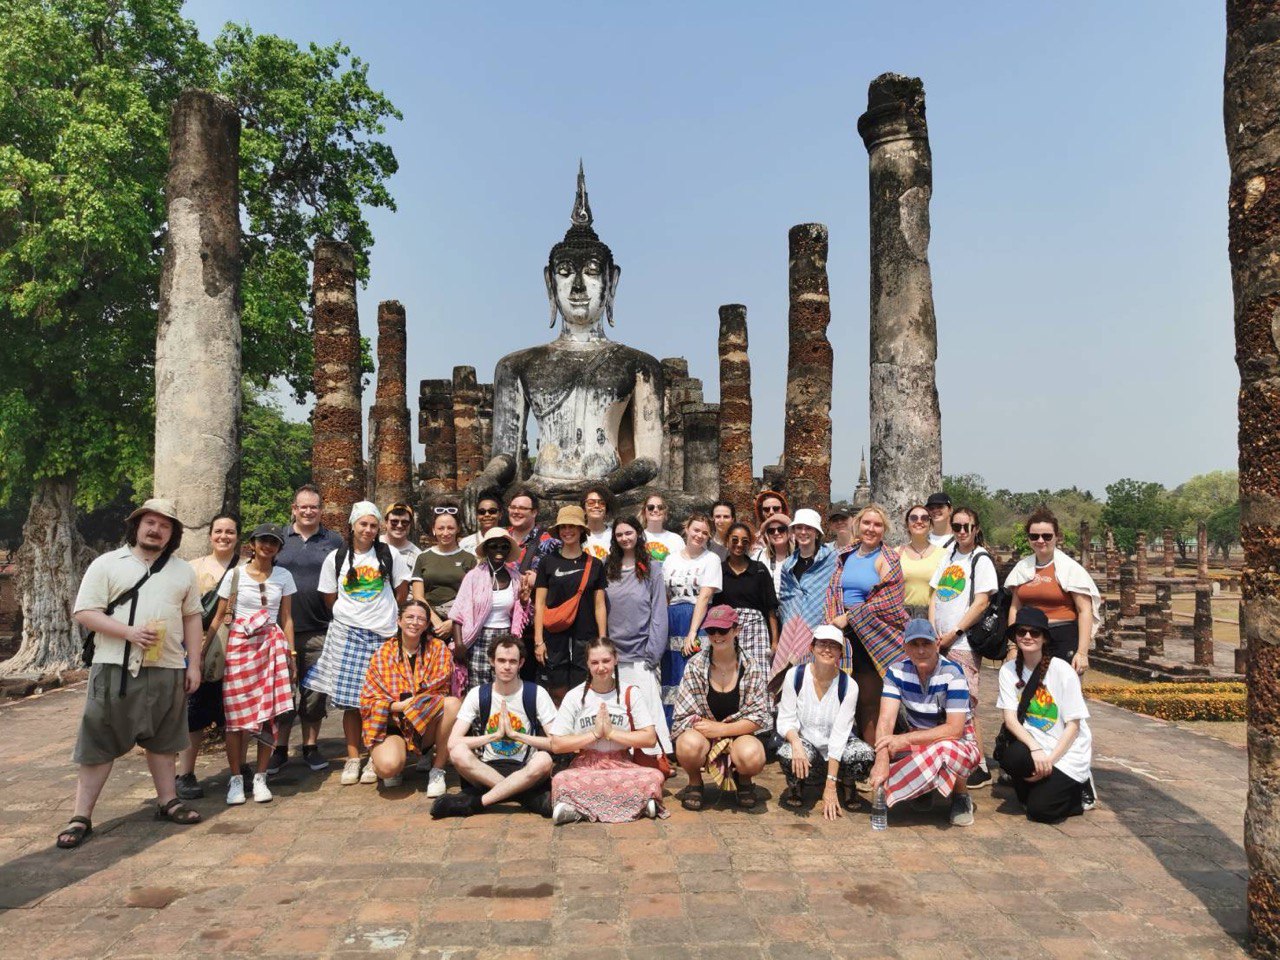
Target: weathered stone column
(1170,558)
(468,438)
(735,409)
(1128,591)
(806,443)
(701,450)
(1140,553)
(390,459)
(1202,551)
(906,422)
(1113,561)
(197,441)
(1152,631)
(337,443)
(1086,544)
(439,469)
(1202,631)
(1252,91)
(484,416)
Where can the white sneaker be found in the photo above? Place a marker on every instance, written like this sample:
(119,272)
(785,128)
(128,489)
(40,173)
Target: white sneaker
(392,782)
(562,813)
(369,775)
(435,783)
(651,809)
(235,791)
(350,772)
(261,792)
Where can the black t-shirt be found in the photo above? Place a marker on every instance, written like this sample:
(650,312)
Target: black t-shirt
(750,590)
(802,566)
(561,578)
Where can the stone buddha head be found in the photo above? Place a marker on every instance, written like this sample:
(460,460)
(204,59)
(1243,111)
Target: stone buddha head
(581,276)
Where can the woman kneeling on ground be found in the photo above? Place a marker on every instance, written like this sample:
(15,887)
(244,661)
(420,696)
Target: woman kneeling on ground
(815,724)
(405,704)
(605,725)
(1048,750)
(721,704)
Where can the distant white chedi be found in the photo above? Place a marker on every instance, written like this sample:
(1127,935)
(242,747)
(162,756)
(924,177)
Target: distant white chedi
(597,404)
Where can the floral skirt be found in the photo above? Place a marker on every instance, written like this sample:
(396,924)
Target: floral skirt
(607,787)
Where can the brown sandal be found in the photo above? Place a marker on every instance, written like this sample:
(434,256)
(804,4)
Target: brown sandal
(175,812)
(792,798)
(692,799)
(746,795)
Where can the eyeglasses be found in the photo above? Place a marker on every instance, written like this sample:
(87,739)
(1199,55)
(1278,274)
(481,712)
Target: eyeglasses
(961,527)
(1040,536)
(487,511)
(918,518)
(439,511)
(654,508)
(830,646)
(520,506)
(398,521)
(1027,632)
(775,530)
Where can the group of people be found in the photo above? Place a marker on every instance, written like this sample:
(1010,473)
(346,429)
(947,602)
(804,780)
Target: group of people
(572,668)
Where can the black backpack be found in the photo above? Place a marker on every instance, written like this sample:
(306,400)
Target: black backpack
(528,697)
(381,551)
(987,636)
(842,682)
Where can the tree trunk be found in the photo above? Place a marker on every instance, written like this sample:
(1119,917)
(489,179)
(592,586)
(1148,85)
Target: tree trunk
(51,561)
(1251,114)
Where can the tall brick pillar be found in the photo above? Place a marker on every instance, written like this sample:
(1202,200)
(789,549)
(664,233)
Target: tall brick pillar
(1086,544)
(1170,547)
(1202,631)
(1140,551)
(806,451)
(439,471)
(735,409)
(337,443)
(468,437)
(390,459)
(1202,551)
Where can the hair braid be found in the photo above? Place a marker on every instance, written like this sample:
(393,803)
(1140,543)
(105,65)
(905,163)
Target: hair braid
(352,579)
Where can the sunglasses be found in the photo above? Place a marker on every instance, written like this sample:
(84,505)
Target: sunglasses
(715,632)
(829,645)
(776,530)
(398,521)
(487,511)
(768,511)
(593,502)
(1027,632)
(918,518)
(961,527)
(440,511)
(1040,536)
(654,507)
(739,539)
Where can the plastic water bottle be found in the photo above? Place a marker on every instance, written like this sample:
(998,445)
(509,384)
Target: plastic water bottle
(879,812)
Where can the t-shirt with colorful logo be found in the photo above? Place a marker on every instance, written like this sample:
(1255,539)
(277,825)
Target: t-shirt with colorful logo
(1057,701)
(516,721)
(366,600)
(661,545)
(951,588)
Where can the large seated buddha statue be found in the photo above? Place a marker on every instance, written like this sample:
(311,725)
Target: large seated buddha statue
(597,404)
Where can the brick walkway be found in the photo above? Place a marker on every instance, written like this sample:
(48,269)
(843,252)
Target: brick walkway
(1157,870)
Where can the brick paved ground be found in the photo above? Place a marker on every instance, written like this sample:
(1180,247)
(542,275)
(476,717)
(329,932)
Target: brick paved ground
(1158,870)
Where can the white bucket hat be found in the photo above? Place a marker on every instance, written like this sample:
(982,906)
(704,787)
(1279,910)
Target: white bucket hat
(808,518)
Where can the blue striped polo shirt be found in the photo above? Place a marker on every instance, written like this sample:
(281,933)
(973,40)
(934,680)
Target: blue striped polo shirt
(948,692)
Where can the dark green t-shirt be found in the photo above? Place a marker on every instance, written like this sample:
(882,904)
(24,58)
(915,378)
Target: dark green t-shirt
(441,576)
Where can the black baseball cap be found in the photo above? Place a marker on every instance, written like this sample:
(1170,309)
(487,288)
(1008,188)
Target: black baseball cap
(938,500)
(272,530)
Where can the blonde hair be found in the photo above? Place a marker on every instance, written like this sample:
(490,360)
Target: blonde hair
(871,508)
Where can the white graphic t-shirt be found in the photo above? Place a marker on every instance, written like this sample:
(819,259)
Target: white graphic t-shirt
(686,577)
(249,599)
(368,603)
(598,544)
(951,588)
(1058,700)
(662,544)
(580,705)
(516,720)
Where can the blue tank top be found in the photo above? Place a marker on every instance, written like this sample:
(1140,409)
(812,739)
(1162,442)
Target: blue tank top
(859,577)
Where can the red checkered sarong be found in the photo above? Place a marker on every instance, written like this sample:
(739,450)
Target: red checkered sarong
(256,688)
(935,766)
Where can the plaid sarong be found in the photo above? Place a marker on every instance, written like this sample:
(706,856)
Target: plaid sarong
(879,620)
(256,687)
(343,663)
(480,669)
(935,766)
(753,637)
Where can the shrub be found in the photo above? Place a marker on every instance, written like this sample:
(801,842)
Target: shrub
(1179,701)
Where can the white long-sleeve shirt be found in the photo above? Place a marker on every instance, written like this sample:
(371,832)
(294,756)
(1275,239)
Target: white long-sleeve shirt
(826,723)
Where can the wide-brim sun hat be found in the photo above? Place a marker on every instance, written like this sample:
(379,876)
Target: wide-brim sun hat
(161,505)
(494,533)
(781,518)
(571,516)
(805,518)
(1029,617)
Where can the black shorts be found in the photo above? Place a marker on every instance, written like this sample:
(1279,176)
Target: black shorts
(204,707)
(1064,640)
(862,662)
(505,768)
(566,665)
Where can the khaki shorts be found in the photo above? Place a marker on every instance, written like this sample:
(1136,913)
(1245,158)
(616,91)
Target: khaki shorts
(152,714)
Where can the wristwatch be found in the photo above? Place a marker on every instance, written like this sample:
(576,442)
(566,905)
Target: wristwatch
(831,778)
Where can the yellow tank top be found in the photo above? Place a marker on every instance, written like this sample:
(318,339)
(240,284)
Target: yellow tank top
(916,575)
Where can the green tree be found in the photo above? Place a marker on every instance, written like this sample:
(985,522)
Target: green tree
(1198,499)
(1134,505)
(87,90)
(275,459)
(1223,528)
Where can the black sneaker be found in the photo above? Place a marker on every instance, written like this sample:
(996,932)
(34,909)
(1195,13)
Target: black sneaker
(455,805)
(1088,795)
(189,787)
(539,803)
(311,756)
(981,777)
(279,757)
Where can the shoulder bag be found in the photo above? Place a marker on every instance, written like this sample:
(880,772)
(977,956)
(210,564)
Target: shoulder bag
(213,662)
(559,619)
(657,761)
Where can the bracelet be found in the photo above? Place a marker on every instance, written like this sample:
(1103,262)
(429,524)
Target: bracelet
(831,778)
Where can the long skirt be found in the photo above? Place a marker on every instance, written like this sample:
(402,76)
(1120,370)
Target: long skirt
(343,663)
(645,680)
(679,616)
(256,687)
(935,766)
(607,787)
(479,667)
(753,637)
(855,762)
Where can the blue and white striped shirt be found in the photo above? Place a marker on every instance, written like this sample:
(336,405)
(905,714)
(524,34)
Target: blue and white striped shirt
(926,708)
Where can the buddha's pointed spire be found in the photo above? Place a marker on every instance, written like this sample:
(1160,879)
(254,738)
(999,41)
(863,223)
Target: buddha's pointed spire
(862,469)
(581,215)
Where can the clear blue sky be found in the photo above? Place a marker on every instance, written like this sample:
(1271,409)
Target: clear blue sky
(1079,211)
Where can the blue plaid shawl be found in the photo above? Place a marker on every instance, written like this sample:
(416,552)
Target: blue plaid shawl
(343,663)
(801,606)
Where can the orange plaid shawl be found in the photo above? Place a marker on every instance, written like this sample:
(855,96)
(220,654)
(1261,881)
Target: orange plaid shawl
(390,675)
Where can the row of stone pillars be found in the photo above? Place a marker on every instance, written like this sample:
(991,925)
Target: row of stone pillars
(1154,620)
(1112,557)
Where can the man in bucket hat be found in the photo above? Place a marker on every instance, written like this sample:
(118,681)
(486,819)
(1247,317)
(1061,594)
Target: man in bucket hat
(143,606)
